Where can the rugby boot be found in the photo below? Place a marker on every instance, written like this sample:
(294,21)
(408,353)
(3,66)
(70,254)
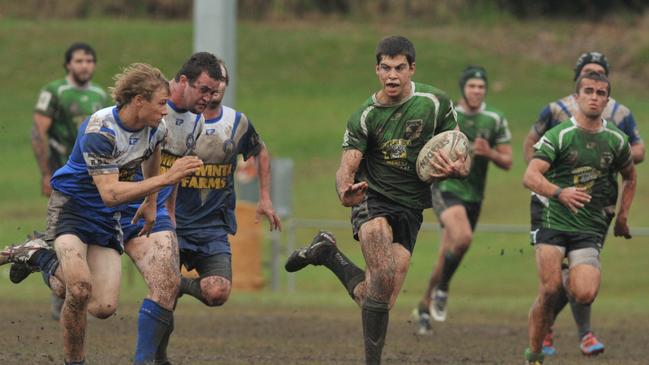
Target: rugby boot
(422,316)
(590,345)
(23,252)
(310,255)
(438,305)
(548,344)
(532,358)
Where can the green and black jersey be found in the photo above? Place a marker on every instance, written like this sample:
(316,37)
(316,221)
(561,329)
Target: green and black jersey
(491,125)
(68,106)
(390,138)
(587,160)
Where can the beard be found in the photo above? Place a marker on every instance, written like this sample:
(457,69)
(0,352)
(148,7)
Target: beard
(80,78)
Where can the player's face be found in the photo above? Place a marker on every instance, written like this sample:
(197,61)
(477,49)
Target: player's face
(152,111)
(81,66)
(592,97)
(395,75)
(198,94)
(217,98)
(474,92)
(593,67)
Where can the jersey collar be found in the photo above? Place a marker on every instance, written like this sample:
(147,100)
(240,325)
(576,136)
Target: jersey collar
(601,128)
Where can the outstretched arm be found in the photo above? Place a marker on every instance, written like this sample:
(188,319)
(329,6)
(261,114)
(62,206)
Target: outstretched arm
(501,155)
(349,193)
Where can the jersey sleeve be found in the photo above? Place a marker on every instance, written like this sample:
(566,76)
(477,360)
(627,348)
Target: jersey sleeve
(546,148)
(355,136)
(447,116)
(97,149)
(630,128)
(47,102)
(544,122)
(623,158)
(503,135)
(250,143)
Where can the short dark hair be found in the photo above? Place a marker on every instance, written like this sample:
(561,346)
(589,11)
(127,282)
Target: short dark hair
(78,46)
(472,72)
(197,64)
(393,46)
(593,76)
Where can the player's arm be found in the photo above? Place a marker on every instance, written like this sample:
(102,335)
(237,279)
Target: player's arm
(265,204)
(114,192)
(542,124)
(349,193)
(170,204)
(528,145)
(629,181)
(637,152)
(41,125)
(572,197)
(501,155)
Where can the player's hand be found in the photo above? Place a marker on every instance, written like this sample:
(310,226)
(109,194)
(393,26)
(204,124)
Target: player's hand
(46,188)
(147,211)
(265,207)
(481,147)
(447,168)
(621,228)
(183,167)
(353,194)
(574,198)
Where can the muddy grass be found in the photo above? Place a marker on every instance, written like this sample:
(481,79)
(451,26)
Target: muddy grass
(277,335)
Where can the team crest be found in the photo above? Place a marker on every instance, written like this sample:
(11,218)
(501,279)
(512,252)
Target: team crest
(190,142)
(572,157)
(606,160)
(413,129)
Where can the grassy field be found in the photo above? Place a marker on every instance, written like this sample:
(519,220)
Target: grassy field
(299,82)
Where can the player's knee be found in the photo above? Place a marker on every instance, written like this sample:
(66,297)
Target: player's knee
(585,296)
(102,310)
(79,292)
(216,295)
(550,290)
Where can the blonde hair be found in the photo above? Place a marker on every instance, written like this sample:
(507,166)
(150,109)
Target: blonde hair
(137,79)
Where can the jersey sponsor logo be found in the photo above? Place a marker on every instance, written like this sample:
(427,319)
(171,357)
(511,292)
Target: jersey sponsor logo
(133,140)
(44,100)
(209,176)
(413,129)
(395,152)
(585,177)
(606,160)
(180,121)
(210,132)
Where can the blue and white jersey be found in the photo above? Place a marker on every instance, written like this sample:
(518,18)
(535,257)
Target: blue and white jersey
(206,200)
(104,146)
(564,108)
(183,129)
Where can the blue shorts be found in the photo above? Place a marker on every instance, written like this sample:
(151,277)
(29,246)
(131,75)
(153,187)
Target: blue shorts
(65,216)
(204,243)
(162,223)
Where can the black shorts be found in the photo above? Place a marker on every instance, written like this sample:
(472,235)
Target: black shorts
(536,219)
(444,199)
(569,240)
(219,264)
(405,221)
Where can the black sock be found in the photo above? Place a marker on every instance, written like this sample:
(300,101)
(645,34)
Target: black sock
(559,304)
(45,259)
(193,288)
(161,353)
(581,312)
(82,362)
(348,273)
(451,263)
(375,317)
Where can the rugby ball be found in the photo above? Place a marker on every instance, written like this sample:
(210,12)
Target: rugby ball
(454,143)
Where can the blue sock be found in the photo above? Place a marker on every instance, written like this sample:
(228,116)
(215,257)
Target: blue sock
(152,325)
(47,261)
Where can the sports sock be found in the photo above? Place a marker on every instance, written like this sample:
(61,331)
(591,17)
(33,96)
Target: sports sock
(82,362)
(46,260)
(375,317)
(344,269)
(161,353)
(193,288)
(153,322)
(451,263)
(560,303)
(581,312)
